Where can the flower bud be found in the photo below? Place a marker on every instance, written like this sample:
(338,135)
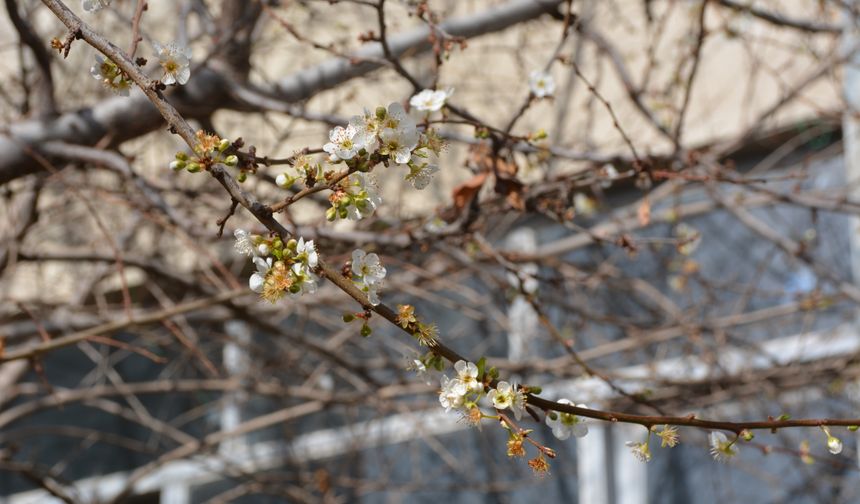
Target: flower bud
(231,160)
(331,214)
(242,177)
(348,317)
(381,112)
(177,165)
(292,244)
(181,156)
(194,167)
(834,445)
(366,331)
(224,145)
(747,435)
(283,181)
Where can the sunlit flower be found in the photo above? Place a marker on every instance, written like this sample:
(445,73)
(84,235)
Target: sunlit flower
(721,448)
(467,373)
(366,127)
(175,60)
(303,281)
(345,142)
(363,196)
(506,396)
(258,278)
(452,394)
(541,84)
(367,267)
(399,135)
(421,170)
(306,253)
(565,424)
(430,100)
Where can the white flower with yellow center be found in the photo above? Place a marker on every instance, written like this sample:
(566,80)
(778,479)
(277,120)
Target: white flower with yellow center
(175,60)
(467,374)
(507,396)
(541,84)
(344,142)
(721,448)
(430,100)
(565,424)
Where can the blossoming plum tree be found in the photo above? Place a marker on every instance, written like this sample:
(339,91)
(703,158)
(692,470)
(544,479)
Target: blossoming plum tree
(355,240)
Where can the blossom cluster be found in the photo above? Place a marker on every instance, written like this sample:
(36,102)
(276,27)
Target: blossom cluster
(389,136)
(367,274)
(210,148)
(466,390)
(282,268)
(354,198)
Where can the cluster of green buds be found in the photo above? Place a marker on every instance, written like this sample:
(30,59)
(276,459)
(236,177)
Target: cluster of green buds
(353,198)
(210,149)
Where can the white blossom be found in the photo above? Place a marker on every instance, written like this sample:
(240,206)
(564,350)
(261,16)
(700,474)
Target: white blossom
(369,272)
(366,127)
(307,253)
(399,135)
(452,394)
(421,169)
(364,196)
(467,374)
(367,266)
(258,278)
(541,84)
(345,142)
(721,448)
(305,279)
(506,396)
(94,5)
(565,424)
(175,60)
(430,100)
